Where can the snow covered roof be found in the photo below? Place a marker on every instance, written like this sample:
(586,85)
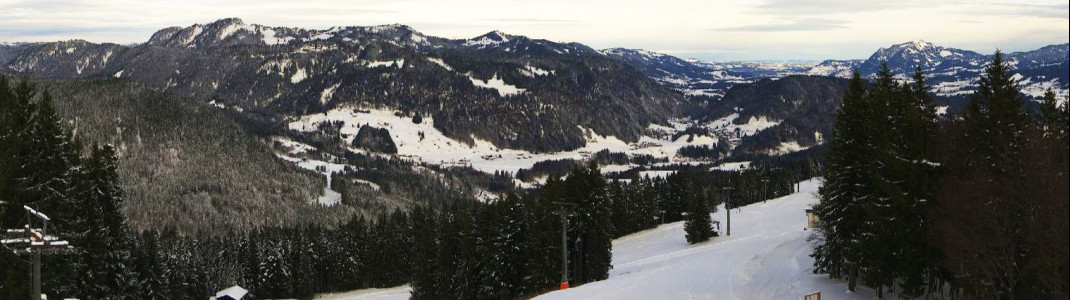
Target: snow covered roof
(234,292)
(36,213)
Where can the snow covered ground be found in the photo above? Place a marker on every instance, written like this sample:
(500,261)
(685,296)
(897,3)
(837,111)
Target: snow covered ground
(422,142)
(396,293)
(767,257)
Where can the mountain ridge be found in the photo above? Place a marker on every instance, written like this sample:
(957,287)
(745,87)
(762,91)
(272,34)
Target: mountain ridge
(534,94)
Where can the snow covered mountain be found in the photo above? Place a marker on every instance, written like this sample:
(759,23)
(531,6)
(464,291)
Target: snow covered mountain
(686,77)
(903,58)
(836,68)
(512,91)
(953,72)
(502,42)
(233,32)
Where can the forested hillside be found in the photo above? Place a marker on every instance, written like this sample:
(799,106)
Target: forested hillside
(194,167)
(804,106)
(184,165)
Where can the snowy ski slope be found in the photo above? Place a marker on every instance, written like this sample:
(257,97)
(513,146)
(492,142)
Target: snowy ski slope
(767,257)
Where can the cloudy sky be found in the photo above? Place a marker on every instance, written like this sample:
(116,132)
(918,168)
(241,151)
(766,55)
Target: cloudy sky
(706,29)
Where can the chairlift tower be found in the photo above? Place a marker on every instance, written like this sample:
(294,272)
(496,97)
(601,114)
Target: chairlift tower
(726,190)
(33,239)
(564,212)
(765,189)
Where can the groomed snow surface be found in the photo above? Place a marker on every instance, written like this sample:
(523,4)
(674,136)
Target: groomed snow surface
(767,257)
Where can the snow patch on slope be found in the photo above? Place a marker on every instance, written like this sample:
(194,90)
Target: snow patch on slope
(328,93)
(496,83)
(298,76)
(440,62)
(398,63)
(533,72)
(270,37)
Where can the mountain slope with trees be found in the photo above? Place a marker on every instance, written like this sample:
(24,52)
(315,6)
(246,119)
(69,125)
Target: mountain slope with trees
(556,87)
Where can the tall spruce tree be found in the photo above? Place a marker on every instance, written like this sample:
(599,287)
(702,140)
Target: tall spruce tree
(846,190)
(591,232)
(105,247)
(885,116)
(425,284)
(542,244)
(502,271)
(909,183)
(698,225)
(151,281)
(996,127)
(15,111)
(995,120)
(1051,115)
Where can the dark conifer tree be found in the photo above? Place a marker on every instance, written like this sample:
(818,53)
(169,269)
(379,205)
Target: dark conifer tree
(698,224)
(542,243)
(15,113)
(995,119)
(846,191)
(1051,115)
(150,277)
(591,232)
(984,182)
(105,246)
(501,245)
(425,271)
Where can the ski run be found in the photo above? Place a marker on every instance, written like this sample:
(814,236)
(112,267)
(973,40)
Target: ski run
(767,257)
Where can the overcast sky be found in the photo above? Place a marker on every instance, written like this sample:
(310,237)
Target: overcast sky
(705,29)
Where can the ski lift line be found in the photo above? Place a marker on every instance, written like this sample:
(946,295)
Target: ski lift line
(37,242)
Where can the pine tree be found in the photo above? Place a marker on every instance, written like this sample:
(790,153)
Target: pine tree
(542,244)
(353,263)
(591,232)
(251,262)
(995,120)
(847,186)
(911,188)
(16,151)
(105,244)
(48,172)
(1051,115)
(14,118)
(424,276)
(151,280)
(500,245)
(698,223)
(996,126)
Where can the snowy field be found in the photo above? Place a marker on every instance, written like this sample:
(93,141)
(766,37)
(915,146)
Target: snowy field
(423,143)
(767,257)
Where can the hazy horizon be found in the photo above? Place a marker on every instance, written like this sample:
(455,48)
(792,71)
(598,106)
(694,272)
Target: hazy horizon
(773,30)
